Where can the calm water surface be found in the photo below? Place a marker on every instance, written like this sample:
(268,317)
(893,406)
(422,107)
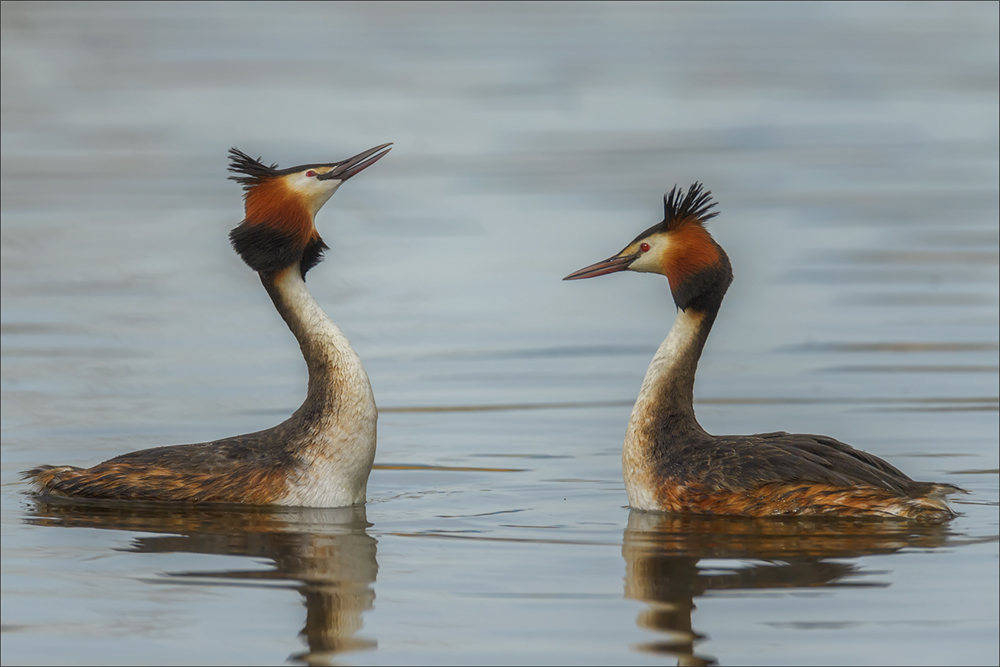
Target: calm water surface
(854,153)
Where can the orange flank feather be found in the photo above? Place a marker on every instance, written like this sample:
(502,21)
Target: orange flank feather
(274,204)
(691,250)
(126,481)
(798,499)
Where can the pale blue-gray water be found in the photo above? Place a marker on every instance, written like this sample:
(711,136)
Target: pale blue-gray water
(853,150)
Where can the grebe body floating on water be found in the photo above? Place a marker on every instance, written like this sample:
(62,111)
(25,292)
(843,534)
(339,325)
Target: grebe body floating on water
(670,463)
(322,455)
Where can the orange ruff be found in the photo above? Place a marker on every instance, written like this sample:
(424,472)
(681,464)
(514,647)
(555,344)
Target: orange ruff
(797,500)
(691,250)
(123,481)
(273,204)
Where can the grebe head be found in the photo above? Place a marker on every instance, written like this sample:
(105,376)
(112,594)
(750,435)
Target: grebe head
(281,205)
(678,247)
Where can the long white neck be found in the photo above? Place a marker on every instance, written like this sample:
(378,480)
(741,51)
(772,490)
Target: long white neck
(334,429)
(663,416)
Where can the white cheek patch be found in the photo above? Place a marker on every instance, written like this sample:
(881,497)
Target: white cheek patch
(651,261)
(323,196)
(314,191)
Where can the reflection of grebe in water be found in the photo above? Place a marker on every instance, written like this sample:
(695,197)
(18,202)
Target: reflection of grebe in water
(327,552)
(662,552)
(322,455)
(670,463)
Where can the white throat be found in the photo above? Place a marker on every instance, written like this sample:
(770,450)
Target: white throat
(667,388)
(339,415)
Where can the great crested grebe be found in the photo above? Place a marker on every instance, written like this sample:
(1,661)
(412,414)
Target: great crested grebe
(670,463)
(322,455)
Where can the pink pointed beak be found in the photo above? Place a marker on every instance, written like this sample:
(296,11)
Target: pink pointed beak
(610,265)
(355,165)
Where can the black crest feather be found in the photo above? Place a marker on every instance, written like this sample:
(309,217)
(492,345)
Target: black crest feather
(679,206)
(254,172)
(695,204)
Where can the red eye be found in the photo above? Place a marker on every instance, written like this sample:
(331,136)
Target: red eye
(644,247)
(310,173)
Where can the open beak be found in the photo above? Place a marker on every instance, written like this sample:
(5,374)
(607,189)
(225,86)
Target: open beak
(610,265)
(355,165)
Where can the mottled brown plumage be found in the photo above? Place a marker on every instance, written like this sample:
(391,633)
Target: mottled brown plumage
(242,469)
(793,499)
